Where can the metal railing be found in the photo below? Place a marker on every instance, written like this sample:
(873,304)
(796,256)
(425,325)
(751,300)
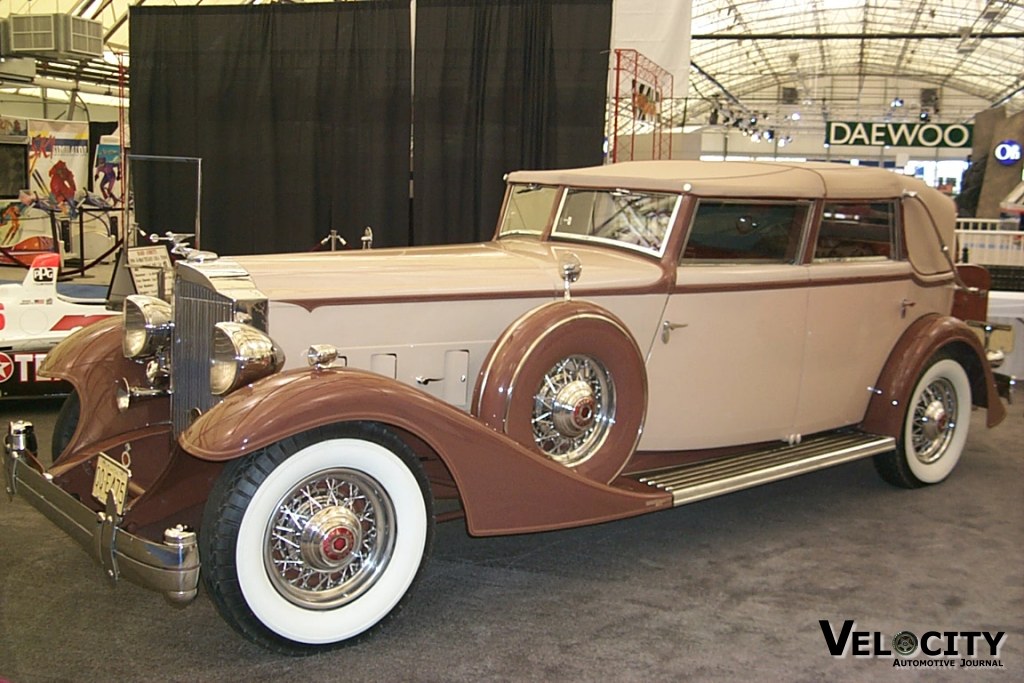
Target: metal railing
(990,241)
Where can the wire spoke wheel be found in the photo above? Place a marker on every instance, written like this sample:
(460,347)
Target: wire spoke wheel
(935,426)
(574,407)
(934,421)
(331,537)
(300,540)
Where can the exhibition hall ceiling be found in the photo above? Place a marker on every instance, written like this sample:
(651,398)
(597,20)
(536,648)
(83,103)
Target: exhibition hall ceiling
(840,58)
(851,57)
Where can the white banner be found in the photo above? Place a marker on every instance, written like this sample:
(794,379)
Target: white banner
(660,31)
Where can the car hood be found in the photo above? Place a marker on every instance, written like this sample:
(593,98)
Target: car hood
(500,268)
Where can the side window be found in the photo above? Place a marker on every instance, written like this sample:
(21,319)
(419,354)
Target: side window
(857,230)
(638,220)
(746,232)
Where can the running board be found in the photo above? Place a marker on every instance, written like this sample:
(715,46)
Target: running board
(693,482)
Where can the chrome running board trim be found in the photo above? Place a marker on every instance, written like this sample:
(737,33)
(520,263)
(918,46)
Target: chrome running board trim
(693,482)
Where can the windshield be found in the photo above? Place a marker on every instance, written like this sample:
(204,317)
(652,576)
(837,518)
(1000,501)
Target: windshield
(528,209)
(638,220)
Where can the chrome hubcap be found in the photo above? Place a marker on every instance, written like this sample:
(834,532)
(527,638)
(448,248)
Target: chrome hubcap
(330,539)
(934,420)
(574,408)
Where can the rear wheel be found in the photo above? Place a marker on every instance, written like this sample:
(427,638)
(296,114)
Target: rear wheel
(316,540)
(934,428)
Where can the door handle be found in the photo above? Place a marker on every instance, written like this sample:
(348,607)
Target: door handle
(904,305)
(667,327)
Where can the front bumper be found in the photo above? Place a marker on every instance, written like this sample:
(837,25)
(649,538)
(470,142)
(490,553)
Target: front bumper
(171,567)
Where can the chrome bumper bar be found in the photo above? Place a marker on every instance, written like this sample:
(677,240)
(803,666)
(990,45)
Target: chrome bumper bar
(171,567)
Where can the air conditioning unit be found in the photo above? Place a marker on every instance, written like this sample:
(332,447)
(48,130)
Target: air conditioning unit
(32,33)
(54,36)
(789,96)
(930,98)
(81,37)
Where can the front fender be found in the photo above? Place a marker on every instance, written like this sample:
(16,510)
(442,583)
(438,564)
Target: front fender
(504,487)
(918,345)
(92,361)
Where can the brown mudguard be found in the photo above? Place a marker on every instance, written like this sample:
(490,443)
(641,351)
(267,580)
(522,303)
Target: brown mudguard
(92,361)
(504,487)
(928,336)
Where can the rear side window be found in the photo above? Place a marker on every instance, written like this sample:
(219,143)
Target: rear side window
(746,232)
(857,231)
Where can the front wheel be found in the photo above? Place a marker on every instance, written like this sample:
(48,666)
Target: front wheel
(935,426)
(318,539)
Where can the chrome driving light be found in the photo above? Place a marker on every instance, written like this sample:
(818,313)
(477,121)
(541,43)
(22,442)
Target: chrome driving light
(241,355)
(147,326)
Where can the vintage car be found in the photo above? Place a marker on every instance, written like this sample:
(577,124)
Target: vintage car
(635,337)
(35,317)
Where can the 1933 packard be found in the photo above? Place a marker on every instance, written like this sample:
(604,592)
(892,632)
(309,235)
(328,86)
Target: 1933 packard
(637,336)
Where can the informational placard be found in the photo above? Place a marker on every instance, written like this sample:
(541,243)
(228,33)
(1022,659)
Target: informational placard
(148,265)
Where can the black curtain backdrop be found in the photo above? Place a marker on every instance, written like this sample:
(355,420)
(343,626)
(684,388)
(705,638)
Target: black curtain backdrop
(300,113)
(501,85)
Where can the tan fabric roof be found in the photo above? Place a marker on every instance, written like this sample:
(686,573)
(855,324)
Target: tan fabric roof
(734,179)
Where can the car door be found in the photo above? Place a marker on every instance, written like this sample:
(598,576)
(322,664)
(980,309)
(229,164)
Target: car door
(859,303)
(726,367)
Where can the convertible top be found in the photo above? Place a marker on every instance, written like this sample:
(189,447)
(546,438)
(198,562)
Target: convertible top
(734,179)
(931,217)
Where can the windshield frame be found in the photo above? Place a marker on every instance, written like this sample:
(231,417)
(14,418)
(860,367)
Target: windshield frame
(673,219)
(502,230)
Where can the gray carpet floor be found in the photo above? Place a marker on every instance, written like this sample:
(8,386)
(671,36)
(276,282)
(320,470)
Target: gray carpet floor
(727,589)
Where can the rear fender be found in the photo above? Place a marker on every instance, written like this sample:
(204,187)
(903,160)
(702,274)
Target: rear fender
(925,338)
(504,487)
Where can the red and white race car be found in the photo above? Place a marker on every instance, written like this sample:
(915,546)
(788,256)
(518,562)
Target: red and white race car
(34,317)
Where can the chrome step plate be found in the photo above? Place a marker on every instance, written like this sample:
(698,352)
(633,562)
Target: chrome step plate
(693,482)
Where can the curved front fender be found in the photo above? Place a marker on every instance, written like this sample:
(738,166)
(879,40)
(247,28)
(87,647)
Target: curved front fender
(92,361)
(919,344)
(504,487)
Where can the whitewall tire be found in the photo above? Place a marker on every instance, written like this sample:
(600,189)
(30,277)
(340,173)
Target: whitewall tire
(318,539)
(935,426)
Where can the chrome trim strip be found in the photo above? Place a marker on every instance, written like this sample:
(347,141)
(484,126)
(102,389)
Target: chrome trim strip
(694,482)
(171,568)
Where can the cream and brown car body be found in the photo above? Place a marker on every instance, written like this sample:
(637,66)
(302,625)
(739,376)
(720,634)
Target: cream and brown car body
(636,336)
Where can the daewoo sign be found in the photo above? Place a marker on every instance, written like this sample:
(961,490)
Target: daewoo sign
(864,133)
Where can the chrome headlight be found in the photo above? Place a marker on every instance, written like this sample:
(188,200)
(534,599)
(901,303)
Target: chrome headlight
(147,326)
(241,355)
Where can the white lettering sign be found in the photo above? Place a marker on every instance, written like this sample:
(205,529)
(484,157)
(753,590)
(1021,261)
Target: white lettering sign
(898,134)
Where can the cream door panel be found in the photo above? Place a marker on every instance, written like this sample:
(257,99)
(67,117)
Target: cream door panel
(852,325)
(729,371)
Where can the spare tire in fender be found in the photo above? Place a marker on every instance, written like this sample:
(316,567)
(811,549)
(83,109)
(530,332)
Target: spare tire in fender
(568,381)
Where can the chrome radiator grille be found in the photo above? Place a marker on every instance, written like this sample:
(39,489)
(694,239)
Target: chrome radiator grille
(196,310)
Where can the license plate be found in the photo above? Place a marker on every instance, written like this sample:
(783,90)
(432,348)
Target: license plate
(112,477)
